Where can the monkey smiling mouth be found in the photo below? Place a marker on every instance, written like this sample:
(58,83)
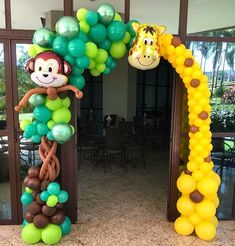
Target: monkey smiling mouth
(45,82)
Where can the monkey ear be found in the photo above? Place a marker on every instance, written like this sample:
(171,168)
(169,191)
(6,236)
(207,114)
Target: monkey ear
(67,68)
(30,66)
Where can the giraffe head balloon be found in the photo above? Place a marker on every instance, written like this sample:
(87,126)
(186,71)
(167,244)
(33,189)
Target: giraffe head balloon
(144,53)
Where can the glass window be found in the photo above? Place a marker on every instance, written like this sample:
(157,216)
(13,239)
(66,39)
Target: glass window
(217,61)
(160,12)
(2,14)
(37,13)
(93,5)
(203,18)
(3,115)
(5,198)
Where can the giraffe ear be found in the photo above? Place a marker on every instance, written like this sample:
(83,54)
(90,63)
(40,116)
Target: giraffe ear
(136,26)
(161,29)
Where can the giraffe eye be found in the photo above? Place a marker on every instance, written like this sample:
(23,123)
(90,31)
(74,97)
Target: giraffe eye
(151,41)
(145,41)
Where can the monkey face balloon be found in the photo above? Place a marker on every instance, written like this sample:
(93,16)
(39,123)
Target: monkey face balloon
(48,69)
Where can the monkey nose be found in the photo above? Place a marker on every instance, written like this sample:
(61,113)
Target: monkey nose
(45,75)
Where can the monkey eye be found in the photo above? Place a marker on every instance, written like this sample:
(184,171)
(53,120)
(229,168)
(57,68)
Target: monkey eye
(40,68)
(50,69)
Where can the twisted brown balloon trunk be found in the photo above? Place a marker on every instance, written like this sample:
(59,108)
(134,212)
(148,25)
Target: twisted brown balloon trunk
(50,168)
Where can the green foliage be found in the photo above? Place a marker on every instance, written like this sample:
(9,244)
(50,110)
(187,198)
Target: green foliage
(219,92)
(223,118)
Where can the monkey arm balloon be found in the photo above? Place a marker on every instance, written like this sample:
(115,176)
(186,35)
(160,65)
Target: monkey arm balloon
(26,97)
(77,92)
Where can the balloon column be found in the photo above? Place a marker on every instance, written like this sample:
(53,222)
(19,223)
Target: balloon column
(93,41)
(198,183)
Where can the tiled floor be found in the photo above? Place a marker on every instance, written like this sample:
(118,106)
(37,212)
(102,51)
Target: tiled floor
(119,208)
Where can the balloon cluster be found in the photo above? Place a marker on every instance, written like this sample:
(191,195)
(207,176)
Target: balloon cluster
(45,219)
(198,183)
(93,40)
(51,119)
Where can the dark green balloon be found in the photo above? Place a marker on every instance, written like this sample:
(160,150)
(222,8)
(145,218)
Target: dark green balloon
(98,33)
(42,113)
(42,129)
(78,81)
(91,17)
(130,28)
(83,62)
(116,31)
(106,13)
(70,59)
(43,37)
(36,138)
(82,35)
(77,47)
(106,44)
(109,61)
(60,45)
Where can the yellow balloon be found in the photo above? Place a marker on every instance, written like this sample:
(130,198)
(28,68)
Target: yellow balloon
(205,209)
(215,221)
(207,186)
(194,219)
(185,206)
(186,184)
(183,226)
(205,230)
(197,175)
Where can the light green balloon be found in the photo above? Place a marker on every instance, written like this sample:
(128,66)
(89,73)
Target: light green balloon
(52,201)
(126,38)
(118,49)
(31,234)
(95,72)
(84,26)
(51,234)
(101,56)
(53,104)
(24,123)
(37,99)
(61,115)
(91,49)
(81,14)
(92,64)
(66,102)
(117,17)
(100,67)
(50,124)
(32,51)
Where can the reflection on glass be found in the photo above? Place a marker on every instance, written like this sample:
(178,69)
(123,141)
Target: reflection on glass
(161,12)
(38,12)
(2,14)
(5,199)
(3,115)
(217,61)
(203,18)
(223,156)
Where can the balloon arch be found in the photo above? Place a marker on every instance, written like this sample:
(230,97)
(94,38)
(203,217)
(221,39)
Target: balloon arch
(93,41)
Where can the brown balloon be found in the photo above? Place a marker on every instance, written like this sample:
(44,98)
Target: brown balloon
(186,171)
(196,196)
(34,194)
(34,208)
(175,41)
(208,158)
(40,220)
(29,217)
(195,83)
(38,199)
(44,184)
(48,211)
(59,205)
(58,218)
(194,129)
(34,183)
(33,172)
(203,115)
(26,180)
(188,62)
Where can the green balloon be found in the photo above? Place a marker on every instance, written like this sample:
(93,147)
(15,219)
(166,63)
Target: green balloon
(67,26)
(43,37)
(36,138)
(70,59)
(83,62)
(62,132)
(118,49)
(101,56)
(37,99)
(61,115)
(91,17)
(31,234)
(100,67)
(52,201)
(98,33)
(77,81)
(42,113)
(66,102)
(83,36)
(51,234)
(77,47)
(116,31)
(91,49)
(60,45)
(53,104)
(42,129)
(106,44)
(106,13)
